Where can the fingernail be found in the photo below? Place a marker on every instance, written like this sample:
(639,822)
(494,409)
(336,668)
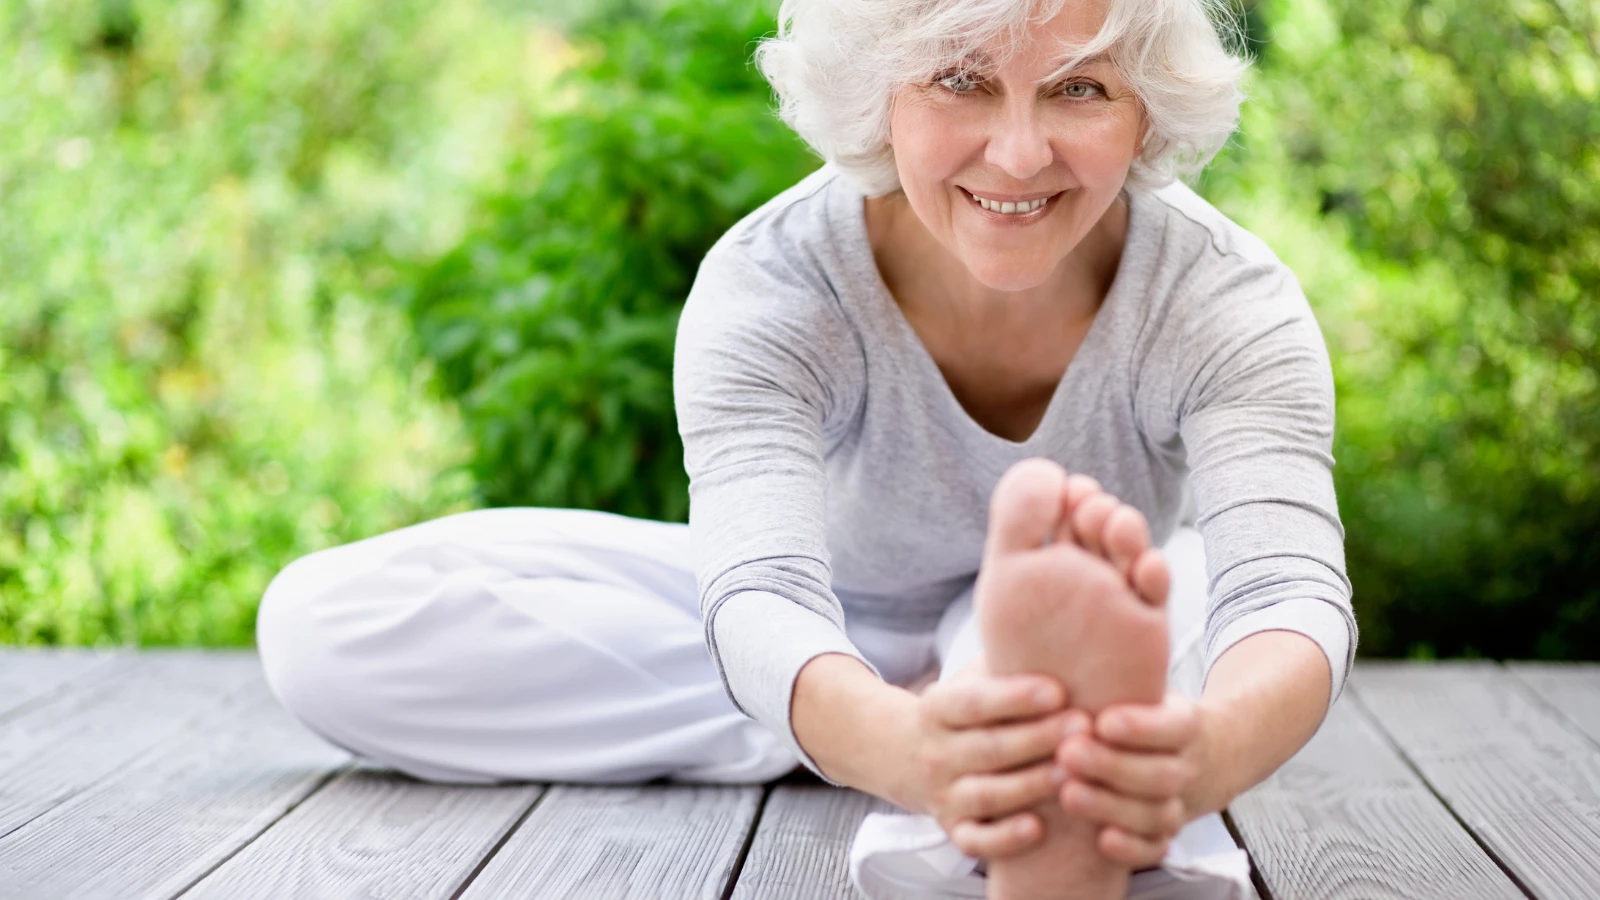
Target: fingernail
(1074,725)
(1043,697)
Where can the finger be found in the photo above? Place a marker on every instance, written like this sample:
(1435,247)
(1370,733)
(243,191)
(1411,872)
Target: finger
(1089,521)
(1154,820)
(1149,776)
(1130,850)
(1170,727)
(968,701)
(1004,747)
(1127,536)
(1000,839)
(1152,578)
(990,796)
(1025,506)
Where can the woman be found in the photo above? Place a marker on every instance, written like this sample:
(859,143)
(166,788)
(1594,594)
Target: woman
(883,378)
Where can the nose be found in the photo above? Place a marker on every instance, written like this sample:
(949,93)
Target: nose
(1017,143)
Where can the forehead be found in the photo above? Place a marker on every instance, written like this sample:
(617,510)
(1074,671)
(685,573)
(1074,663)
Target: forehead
(1051,42)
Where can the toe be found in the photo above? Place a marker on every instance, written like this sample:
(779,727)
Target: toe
(1126,536)
(1027,506)
(1089,521)
(1151,577)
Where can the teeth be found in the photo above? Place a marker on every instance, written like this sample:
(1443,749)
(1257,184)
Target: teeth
(1010,208)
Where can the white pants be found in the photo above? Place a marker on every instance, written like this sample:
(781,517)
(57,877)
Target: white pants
(558,645)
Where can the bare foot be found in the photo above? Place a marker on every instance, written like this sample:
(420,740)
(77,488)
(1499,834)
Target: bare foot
(1087,607)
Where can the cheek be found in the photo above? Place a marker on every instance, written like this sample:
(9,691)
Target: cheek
(1099,147)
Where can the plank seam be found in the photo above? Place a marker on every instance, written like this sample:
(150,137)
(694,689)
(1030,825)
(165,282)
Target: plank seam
(1256,878)
(483,863)
(749,839)
(1405,758)
(1539,699)
(327,778)
(219,709)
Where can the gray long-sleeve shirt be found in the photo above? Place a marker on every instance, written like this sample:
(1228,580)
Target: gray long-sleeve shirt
(833,473)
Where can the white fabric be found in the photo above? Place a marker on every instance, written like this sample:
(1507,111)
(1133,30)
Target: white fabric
(566,645)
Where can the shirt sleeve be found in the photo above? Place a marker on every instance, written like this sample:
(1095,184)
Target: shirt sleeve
(764,362)
(1254,404)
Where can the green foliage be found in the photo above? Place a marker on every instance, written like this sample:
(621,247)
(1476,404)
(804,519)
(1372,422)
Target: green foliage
(196,203)
(1454,147)
(553,320)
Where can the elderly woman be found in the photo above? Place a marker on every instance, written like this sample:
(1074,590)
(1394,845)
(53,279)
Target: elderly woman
(884,377)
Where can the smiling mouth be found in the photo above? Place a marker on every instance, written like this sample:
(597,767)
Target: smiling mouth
(1011,211)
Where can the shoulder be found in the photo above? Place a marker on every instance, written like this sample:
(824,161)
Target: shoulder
(785,245)
(1229,316)
(780,269)
(766,302)
(1211,249)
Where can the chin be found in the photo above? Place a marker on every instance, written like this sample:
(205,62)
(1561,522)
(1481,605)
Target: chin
(1003,274)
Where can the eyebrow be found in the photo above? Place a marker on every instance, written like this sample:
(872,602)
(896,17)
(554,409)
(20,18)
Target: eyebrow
(1061,64)
(1058,67)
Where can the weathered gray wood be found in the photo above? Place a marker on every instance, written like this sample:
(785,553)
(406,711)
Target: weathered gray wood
(28,675)
(1572,689)
(373,834)
(1345,818)
(645,842)
(58,748)
(1525,782)
(157,825)
(802,845)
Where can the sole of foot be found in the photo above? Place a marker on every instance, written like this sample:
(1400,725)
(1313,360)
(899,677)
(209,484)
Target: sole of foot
(1070,587)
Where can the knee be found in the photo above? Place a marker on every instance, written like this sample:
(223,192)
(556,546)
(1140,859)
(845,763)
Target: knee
(297,650)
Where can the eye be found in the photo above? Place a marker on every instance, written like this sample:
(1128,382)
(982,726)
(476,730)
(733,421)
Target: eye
(1081,90)
(957,81)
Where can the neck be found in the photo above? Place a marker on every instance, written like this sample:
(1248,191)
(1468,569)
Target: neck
(927,279)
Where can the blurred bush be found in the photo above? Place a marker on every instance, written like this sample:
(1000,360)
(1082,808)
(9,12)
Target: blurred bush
(1451,150)
(552,322)
(198,205)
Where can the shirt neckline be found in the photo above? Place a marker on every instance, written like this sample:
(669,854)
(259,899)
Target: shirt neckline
(1091,351)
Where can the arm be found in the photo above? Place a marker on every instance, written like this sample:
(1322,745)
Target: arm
(858,729)
(1263,701)
(764,361)
(1242,386)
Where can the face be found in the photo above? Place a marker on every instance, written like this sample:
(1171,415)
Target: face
(1011,134)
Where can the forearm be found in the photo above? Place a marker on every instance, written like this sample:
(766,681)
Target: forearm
(858,729)
(1263,700)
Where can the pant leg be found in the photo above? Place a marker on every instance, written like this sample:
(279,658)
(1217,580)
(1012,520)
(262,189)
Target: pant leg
(511,644)
(960,643)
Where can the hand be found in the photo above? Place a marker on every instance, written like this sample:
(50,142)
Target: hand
(984,758)
(1132,774)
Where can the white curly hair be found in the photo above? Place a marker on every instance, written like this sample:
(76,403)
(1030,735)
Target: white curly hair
(835,64)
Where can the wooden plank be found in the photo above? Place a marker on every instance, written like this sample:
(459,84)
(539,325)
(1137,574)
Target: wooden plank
(28,675)
(60,747)
(644,842)
(1526,783)
(373,834)
(1571,689)
(1345,818)
(161,823)
(802,846)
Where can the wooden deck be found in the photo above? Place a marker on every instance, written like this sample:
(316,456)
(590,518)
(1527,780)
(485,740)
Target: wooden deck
(176,774)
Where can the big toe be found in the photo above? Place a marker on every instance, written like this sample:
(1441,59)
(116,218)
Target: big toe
(1026,507)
